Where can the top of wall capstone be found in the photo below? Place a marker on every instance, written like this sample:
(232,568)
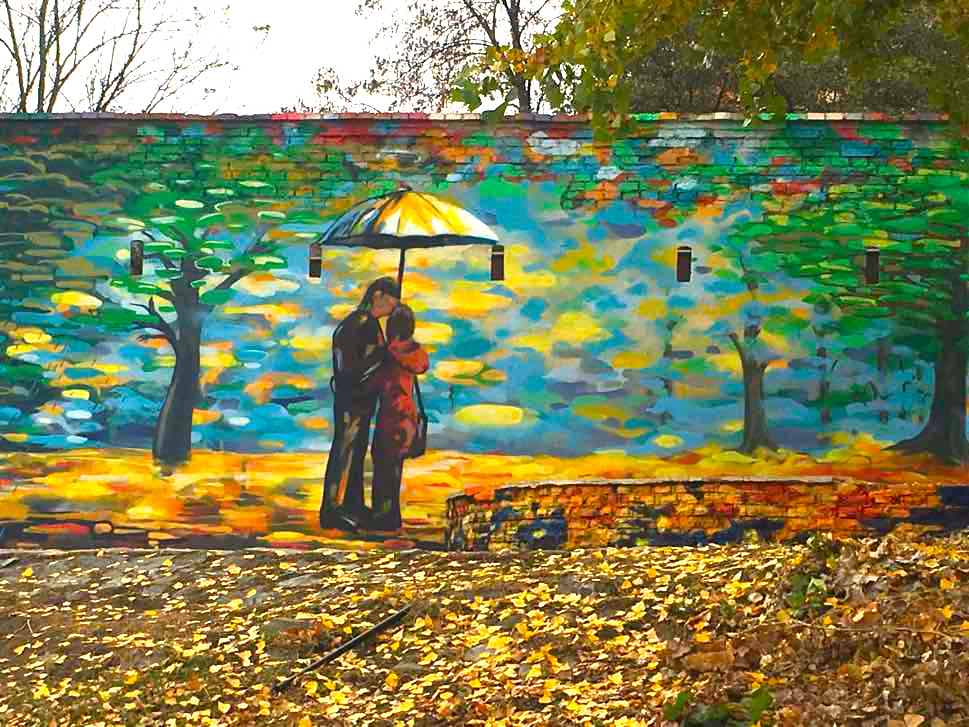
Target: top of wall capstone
(531,118)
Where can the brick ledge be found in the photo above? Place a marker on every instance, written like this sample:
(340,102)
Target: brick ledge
(870,116)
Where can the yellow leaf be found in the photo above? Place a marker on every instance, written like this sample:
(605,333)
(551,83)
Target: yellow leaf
(130,676)
(28,572)
(224,708)
(305,722)
(287,566)
(913,720)
(535,671)
(616,678)
(234,570)
(235,604)
(702,637)
(947,612)
(311,688)
(391,681)
(167,562)
(945,584)
(783,616)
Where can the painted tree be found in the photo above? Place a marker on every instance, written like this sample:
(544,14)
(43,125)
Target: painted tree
(202,234)
(749,279)
(920,228)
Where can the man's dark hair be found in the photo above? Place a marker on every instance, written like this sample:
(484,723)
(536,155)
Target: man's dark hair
(401,323)
(387,286)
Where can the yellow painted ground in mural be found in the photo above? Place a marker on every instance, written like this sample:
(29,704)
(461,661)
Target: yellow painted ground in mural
(275,497)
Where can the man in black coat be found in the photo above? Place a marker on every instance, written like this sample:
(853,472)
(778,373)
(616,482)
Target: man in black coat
(359,349)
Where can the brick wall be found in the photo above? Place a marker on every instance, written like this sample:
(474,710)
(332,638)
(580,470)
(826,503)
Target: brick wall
(597,218)
(677,512)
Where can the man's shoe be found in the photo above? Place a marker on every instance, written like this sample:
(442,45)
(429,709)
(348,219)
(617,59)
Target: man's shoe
(339,520)
(385,524)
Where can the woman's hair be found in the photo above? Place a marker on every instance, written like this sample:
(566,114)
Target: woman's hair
(401,323)
(387,286)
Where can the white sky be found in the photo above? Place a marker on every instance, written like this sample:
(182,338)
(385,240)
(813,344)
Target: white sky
(276,72)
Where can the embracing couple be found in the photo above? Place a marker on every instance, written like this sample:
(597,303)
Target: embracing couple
(370,368)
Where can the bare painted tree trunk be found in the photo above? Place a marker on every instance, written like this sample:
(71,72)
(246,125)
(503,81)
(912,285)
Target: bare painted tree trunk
(824,388)
(944,434)
(756,431)
(173,433)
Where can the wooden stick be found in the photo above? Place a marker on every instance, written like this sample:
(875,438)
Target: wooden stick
(391,620)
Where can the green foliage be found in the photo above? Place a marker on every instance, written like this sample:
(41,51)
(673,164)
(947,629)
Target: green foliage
(747,712)
(202,233)
(918,233)
(808,588)
(764,57)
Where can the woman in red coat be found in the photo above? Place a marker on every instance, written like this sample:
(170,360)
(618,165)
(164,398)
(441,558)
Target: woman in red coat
(397,419)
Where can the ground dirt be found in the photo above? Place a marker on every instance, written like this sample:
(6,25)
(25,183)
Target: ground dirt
(831,632)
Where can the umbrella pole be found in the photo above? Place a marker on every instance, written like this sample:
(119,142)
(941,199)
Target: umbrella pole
(400,272)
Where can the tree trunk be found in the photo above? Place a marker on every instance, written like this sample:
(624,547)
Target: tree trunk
(944,434)
(173,433)
(756,433)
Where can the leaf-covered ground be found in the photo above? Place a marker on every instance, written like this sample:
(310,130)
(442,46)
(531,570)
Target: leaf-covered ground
(832,632)
(224,499)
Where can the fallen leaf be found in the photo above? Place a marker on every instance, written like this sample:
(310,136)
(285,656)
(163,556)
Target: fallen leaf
(709,660)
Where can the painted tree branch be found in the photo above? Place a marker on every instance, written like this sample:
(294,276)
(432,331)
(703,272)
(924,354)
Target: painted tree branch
(159,324)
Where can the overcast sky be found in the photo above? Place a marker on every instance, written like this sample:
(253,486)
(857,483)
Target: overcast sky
(278,69)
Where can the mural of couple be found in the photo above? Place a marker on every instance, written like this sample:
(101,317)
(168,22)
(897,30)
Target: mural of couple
(371,367)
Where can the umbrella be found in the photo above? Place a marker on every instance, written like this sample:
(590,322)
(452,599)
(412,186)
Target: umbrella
(404,220)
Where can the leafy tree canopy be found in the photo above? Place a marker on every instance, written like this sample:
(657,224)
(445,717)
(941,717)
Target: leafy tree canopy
(594,58)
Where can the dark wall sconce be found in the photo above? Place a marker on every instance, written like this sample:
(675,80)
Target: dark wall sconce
(316,261)
(498,262)
(136,258)
(872,266)
(684,264)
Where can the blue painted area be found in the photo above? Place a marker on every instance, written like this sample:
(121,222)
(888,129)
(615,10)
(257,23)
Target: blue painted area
(858,149)
(543,533)
(954,495)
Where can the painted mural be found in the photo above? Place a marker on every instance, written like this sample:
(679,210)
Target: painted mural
(698,298)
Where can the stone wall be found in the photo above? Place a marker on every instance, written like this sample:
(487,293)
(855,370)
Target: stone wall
(693,512)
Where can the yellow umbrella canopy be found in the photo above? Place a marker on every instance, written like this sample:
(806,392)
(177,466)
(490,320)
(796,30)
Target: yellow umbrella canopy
(406,219)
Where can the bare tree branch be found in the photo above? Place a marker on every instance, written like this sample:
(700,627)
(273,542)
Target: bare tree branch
(434,43)
(109,51)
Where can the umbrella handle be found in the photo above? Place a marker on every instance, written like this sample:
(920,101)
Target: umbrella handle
(400,273)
